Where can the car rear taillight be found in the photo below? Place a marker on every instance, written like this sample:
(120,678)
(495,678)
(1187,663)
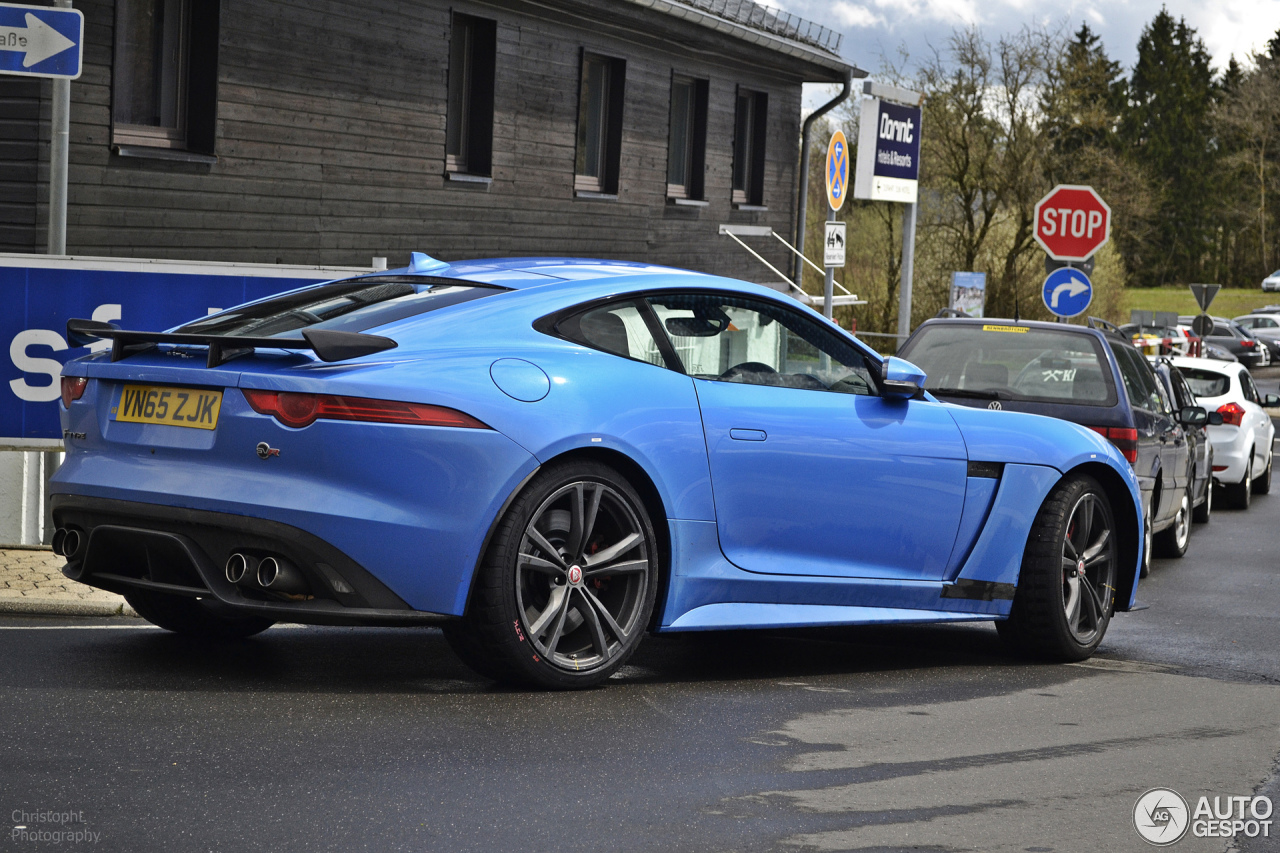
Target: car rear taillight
(299,410)
(73,389)
(1232,414)
(1124,438)
(1247,344)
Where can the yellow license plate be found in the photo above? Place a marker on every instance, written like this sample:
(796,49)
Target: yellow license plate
(194,408)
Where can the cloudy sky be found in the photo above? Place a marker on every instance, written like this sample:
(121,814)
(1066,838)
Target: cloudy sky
(876,28)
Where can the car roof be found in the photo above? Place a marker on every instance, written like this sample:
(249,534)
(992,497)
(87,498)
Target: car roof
(521,273)
(1093,331)
(1227,368)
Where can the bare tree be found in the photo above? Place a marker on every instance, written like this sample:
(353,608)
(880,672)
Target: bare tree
(1248,117)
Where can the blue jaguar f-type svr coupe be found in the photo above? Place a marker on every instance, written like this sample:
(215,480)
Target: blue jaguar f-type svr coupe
(549,458)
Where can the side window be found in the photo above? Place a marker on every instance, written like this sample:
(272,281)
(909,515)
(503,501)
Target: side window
(618,328)
(1250,390)
(730,339)
(1137,379)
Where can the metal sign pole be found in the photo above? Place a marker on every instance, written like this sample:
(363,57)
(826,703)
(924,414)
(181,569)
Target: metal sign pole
(829,287)
(908,261)
(60,129)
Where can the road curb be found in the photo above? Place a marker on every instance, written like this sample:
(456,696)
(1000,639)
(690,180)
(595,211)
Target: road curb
(54,607)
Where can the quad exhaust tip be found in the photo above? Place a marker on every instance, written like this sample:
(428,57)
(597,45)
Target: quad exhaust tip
(241,568)
(66,541)
(279,575)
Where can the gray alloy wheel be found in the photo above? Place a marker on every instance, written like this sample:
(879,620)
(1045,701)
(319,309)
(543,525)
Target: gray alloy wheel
(1202,513)
(1066,588)
(567,587)
(1147,543)
(1173,540)
(1240,495)
(582,576)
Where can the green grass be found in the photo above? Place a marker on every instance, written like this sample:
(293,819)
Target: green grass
(1228,303)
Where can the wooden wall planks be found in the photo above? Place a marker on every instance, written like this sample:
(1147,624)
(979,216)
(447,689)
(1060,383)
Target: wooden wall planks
(331,132)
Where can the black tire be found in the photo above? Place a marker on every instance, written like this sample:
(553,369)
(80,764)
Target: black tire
(579,527)
(1174,539)
(1065,594)
(1202,513)
(1262,483)
(194,618)
(1240,495)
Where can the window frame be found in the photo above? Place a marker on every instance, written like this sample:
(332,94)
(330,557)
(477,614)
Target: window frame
(196,79)
(694,151)
(608,135)
(749,144)
(469,96)
(155,136)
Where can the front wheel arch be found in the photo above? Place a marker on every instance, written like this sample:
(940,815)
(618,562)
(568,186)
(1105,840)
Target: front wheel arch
(1128,526)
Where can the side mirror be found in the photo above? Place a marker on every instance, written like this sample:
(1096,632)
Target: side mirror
(1215,419)
(1270,401)
(1193,416)
(900,378)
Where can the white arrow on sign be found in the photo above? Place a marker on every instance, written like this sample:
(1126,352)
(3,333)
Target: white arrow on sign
(39,40)
(1074,287)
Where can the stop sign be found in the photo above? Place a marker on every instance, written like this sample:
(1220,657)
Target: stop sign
(1072,222)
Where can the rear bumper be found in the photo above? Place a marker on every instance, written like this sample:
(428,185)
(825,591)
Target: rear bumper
(1230,452)
(127,546)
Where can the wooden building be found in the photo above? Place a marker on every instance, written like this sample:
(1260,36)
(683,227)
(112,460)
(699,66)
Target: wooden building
(330,131)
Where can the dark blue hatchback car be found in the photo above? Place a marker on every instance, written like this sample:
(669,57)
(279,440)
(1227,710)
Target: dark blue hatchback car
(1090,375)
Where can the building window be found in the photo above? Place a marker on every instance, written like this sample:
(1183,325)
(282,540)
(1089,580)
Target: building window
(472,59)
(164,74)
(748,147)
(687,138)
(599,124)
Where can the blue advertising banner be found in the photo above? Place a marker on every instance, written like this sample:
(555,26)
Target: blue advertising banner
(151,296)
(888,166)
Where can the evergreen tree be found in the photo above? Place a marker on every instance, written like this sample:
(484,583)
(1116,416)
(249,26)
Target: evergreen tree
(1082,101)
(1165,127)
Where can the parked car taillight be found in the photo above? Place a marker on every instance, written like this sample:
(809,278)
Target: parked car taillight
(1247,344)
(1232,414)
(299,410)
(1125,439)
(73,389)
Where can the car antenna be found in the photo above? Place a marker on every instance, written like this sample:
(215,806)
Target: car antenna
(1016,317)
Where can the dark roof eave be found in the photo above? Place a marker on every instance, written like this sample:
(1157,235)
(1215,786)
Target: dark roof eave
(814,56)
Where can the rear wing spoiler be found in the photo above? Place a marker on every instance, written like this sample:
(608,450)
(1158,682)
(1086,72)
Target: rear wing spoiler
(328,345)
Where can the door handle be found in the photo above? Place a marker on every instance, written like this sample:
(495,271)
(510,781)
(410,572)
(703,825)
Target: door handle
(748,434)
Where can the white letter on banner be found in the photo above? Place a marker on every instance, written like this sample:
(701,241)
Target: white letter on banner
(27,364)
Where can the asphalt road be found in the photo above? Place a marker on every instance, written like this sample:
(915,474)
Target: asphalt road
(929,738)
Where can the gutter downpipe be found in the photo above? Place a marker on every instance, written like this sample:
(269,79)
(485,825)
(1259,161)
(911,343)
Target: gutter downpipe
(802,209)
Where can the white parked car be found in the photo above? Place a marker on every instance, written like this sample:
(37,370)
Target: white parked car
(1271,282)
(1242,443)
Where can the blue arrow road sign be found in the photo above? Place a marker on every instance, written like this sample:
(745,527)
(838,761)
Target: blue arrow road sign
(1067,292)
(38,41)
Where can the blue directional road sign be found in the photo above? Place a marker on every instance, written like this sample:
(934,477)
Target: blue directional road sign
(1067,292)
(39,41)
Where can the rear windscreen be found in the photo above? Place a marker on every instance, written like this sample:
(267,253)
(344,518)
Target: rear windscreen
(353,305)
(1006,362)
(1206,383)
